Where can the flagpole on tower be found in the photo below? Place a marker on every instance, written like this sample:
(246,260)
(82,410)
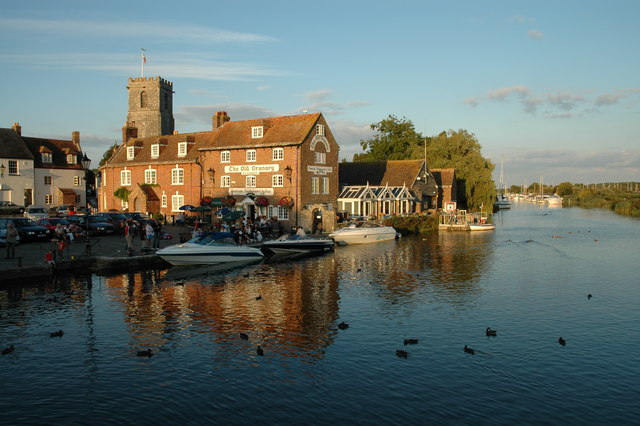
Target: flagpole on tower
(143,60)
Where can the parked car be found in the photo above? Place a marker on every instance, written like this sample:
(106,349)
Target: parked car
(138,217)
(116,219)
(28,230)
(51,222)
(98,226)
(9,207)
(36,212)
(64,209)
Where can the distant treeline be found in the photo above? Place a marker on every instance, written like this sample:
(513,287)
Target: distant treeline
(622,201)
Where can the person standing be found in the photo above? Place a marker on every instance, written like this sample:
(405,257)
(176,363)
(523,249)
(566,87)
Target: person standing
(148,229)
(11,240)
(157,233)
(128,237)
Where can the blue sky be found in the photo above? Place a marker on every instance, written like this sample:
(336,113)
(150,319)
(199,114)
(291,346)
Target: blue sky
(553,86)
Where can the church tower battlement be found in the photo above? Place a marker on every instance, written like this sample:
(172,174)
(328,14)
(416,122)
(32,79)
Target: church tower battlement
(151,106)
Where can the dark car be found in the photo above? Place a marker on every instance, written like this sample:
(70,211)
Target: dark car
(9,207)
(118,220)
(138,217)
(98,226)
(28,230)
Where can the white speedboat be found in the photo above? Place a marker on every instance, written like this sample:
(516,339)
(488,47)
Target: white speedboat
(554,201)
(363,232)
(298,244)
(210,249)
(482,227)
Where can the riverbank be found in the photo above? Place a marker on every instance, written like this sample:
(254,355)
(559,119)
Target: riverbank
(105,254)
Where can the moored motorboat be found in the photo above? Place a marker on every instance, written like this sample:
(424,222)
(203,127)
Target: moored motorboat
(297,244)
(554,201)
(210,249)
(363,233)
(481,227)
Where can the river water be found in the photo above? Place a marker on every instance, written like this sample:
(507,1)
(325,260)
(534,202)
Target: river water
(529,280)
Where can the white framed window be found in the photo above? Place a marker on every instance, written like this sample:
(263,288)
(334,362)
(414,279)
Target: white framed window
(177,176)
(325,185)
(279,212)
(182,149)
(164,201)
(250,182)
(48,199)
(77,181)
(320,129)
(225,181)
(251,155)
(125,177)
(277,154)
(150,176)
(47,157)
(277,180)
(225,157)
(48,180)
(13,167)
(155,150)
(177,201)
(315,185)
(124,204)
(257,131)
(320,157)
(131,153)
(71,159)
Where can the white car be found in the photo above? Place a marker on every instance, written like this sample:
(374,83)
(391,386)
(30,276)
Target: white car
(36,212)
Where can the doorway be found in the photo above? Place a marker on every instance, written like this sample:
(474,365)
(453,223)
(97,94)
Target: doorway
(316,224)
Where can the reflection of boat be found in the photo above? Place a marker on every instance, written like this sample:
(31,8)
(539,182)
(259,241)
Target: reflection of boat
(209,249)
(363,232)
(294,244)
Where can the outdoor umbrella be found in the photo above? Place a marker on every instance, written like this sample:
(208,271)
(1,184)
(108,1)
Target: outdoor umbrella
(187,207)
(223,211)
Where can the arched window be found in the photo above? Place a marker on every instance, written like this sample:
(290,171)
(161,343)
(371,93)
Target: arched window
(143,99)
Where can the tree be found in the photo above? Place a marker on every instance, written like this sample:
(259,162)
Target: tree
(395,140)
(565,188)
(461,150)
(108,153)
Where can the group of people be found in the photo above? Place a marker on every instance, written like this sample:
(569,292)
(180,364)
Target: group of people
(150,233)
(245,230)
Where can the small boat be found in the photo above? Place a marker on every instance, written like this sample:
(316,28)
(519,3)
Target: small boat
(363,232)
(298,244)
(554,201)
(210,249)
(482,227)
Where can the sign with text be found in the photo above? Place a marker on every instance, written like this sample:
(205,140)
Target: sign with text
(450,207)
(319,170)
(252,169)
(254,191)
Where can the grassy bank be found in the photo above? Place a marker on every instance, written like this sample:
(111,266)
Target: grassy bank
(415,224)
(622,202)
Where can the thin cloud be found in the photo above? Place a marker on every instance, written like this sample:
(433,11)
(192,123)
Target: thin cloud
(474,102)
(504,92)
(133,29)
(535,35)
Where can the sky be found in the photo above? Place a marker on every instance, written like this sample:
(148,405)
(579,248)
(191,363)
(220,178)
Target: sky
(549,88)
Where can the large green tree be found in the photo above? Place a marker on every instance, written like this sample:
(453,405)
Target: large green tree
(397,139)
(108,153)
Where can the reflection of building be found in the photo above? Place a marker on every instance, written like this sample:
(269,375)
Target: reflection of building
(380,188)
(41,171)
(284,167)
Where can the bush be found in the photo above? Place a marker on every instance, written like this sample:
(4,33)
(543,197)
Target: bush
(413,224)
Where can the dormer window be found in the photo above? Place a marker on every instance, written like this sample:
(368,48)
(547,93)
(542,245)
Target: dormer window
(47,157)
(257,132)
(155,150)
(251,155)
(71,159)
(182,149)
(130,152)
(320,129)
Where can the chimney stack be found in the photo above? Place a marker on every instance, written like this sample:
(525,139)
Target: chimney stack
(219,119)
(17,128)
(75,138)
(129,131)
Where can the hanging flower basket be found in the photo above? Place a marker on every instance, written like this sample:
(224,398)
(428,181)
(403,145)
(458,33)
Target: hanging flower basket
(229,201)
(205,201)
(261,201)
(286,201)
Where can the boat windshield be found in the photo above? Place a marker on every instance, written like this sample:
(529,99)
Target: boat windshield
(367,224)
(213,238)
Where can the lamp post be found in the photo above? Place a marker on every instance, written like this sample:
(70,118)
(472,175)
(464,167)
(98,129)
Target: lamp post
(2,170)
(212,175)
(86,163)
(287,172)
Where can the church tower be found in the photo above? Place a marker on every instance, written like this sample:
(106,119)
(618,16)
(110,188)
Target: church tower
(151,106)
